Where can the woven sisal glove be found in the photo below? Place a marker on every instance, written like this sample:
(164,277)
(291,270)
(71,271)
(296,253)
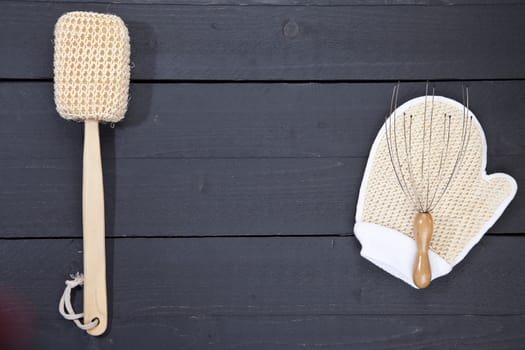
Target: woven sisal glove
(471,204)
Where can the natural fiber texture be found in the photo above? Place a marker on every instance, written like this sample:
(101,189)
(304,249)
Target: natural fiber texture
(91,66)
(470,202)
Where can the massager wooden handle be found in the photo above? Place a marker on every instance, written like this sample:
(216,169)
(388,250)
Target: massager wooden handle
(423,229)
(95,298)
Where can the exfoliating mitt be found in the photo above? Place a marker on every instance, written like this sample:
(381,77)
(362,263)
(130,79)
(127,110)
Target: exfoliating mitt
(463,206)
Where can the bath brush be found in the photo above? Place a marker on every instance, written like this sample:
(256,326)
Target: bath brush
(91,82)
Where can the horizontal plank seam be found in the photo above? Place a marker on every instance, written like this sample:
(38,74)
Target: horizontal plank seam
(313,235)
(284,81)
(276,5)
(159,157)
(309,314)
(350,314)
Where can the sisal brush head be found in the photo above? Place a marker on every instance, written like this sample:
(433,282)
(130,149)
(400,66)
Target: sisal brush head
(91,67)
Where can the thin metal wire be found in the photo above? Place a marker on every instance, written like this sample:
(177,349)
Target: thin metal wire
(424,134)
(391,140)
(427,193)
(394,154)
(396,143)
(465,138)
(444,153)
(430,146)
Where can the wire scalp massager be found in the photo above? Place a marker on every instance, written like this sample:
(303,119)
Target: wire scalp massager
(426,199)
(426,151)
(91,76)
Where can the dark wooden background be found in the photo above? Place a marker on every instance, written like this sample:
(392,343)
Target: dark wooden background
(231,185)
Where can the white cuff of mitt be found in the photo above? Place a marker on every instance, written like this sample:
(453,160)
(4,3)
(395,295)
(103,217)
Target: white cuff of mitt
(395,252)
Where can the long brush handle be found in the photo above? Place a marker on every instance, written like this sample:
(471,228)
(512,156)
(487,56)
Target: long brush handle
(423,227)
(95,298)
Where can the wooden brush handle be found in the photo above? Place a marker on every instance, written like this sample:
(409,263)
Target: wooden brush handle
(95,299)
(423,229)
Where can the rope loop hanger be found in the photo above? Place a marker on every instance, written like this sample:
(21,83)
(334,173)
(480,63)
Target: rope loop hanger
(66,309)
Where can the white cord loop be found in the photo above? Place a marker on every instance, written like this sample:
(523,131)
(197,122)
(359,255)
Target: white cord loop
(66,309)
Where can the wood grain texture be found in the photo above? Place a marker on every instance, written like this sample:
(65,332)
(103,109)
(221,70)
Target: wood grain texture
(285,42)
(299,332)
(226,293)
(292,332)
(184,197)
(94,233)
(248,120)
(297,2)
(171,197)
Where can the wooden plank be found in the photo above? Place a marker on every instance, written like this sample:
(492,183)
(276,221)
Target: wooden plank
(220,275)
(298,2)
(249,120)
(183,197)
(259,292)
(292,332)
(185,42)
(178,197)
